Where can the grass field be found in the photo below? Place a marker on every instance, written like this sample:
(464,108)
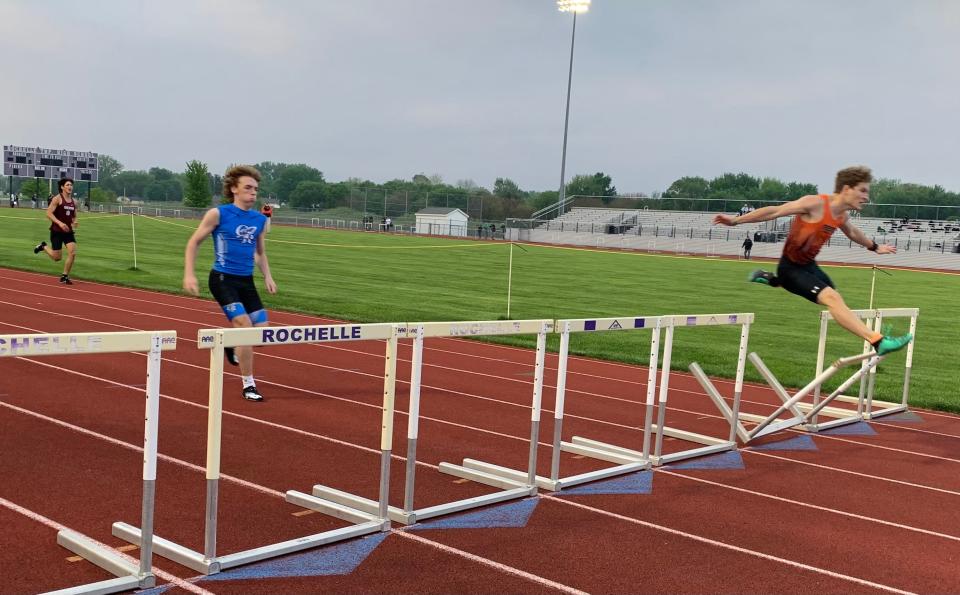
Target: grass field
(384,278)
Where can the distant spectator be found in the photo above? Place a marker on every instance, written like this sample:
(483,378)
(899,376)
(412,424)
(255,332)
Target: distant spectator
(479,231)
(493,231)
(503,230)
(747,246)
(388,222)
(266,211)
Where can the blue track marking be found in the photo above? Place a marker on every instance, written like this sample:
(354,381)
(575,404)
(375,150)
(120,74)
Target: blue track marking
(513,515)
(339,558)
(906,416)
(635,483)
(724,460)
(861,428)
(797,443)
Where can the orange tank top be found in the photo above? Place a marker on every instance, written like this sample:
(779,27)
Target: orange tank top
(807,237)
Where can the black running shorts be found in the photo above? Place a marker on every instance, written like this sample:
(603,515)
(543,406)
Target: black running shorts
(59,238)
(236,295)
(805,280)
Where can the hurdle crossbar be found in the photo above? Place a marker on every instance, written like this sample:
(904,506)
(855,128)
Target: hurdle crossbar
(627,459)
(771,423)
(867,406)
(216,340)
(708,444)
(129,576)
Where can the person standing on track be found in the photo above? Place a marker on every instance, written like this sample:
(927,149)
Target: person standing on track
(62,213)
(816,218)
(238,232)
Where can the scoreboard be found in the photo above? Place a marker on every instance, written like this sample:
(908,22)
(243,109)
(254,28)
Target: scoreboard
(49,164)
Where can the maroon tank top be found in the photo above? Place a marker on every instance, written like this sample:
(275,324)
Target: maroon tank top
(64,212)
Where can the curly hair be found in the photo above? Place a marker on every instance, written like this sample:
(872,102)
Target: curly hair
(851,176)
(233,175)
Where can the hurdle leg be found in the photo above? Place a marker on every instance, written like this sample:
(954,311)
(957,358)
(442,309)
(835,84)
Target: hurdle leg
(535,409)
(858,375)
(151,429)
(664,388)
(651,388)
(214,434)
(558,404)
(386,434)
(413,421)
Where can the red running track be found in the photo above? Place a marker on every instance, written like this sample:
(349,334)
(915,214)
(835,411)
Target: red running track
(860,514)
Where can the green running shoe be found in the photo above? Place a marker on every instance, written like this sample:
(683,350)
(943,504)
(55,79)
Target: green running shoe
(891,344)
(761,276)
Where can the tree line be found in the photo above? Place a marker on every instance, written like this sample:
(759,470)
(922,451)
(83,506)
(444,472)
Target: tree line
(301,186)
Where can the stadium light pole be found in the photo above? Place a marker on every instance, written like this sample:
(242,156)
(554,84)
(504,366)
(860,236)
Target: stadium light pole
(574,6)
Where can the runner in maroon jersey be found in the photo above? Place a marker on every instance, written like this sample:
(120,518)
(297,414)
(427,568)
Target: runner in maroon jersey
(62,213)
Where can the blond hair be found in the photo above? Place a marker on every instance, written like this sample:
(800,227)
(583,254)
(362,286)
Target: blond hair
(233,175)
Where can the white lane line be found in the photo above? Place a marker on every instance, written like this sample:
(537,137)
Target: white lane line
(735,548)
(35,516)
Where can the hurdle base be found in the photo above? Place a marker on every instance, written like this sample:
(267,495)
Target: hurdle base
(298,544)
(710,444)
(777,426)
(345,511)
(366,505)
(168,549)
(628,461)
(127,573)
(512,474)
(113,585)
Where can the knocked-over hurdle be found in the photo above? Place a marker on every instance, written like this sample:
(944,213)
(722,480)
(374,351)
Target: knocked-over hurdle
(867,406)
(772,423)
(129,576)
(512,483)
(365,523)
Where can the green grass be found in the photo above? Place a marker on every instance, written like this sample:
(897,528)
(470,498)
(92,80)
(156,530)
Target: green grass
(385,278)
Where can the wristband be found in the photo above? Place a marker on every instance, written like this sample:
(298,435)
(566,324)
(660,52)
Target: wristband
(874,247)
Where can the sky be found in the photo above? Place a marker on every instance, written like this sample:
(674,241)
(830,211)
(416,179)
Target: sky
(476,89)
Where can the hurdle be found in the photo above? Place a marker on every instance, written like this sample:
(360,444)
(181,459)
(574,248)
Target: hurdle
(770,424)
(627,460)
(365,523)
(513,483)
(867,406)
(129,576)
(708,444)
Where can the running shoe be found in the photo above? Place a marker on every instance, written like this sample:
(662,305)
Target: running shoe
(761,276)
(890,344)
(251,393)
(39,247)
(65,280)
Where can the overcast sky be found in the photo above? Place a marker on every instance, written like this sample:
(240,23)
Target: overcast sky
(475,89)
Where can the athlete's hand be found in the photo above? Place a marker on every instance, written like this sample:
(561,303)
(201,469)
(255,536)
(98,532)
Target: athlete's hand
(64,226)
(886,249)
(722,219)
(190,285)
(271,286)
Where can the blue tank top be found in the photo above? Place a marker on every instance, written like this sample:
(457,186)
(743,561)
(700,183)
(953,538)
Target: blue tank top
(235,240)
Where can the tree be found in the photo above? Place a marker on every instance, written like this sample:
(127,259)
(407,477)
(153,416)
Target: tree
(507,188)
(599,184)
(688,187)
(197,190)
(309,194)
(291,176)
(107,168)
(421,179)
(38,187)
(99,195)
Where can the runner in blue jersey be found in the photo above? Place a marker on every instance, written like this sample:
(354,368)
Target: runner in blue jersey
(238,231)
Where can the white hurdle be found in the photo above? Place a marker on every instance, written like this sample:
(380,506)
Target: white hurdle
(513,484)
(129,576)
(365,522)
(708,444)
(627,459)
(771,423)
(867,406)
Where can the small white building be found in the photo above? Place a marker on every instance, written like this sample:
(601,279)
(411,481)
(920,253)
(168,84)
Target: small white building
(442,221)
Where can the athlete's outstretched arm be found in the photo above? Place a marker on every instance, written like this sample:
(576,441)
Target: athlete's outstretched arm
(856,234)
(209,222)
(794,207)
